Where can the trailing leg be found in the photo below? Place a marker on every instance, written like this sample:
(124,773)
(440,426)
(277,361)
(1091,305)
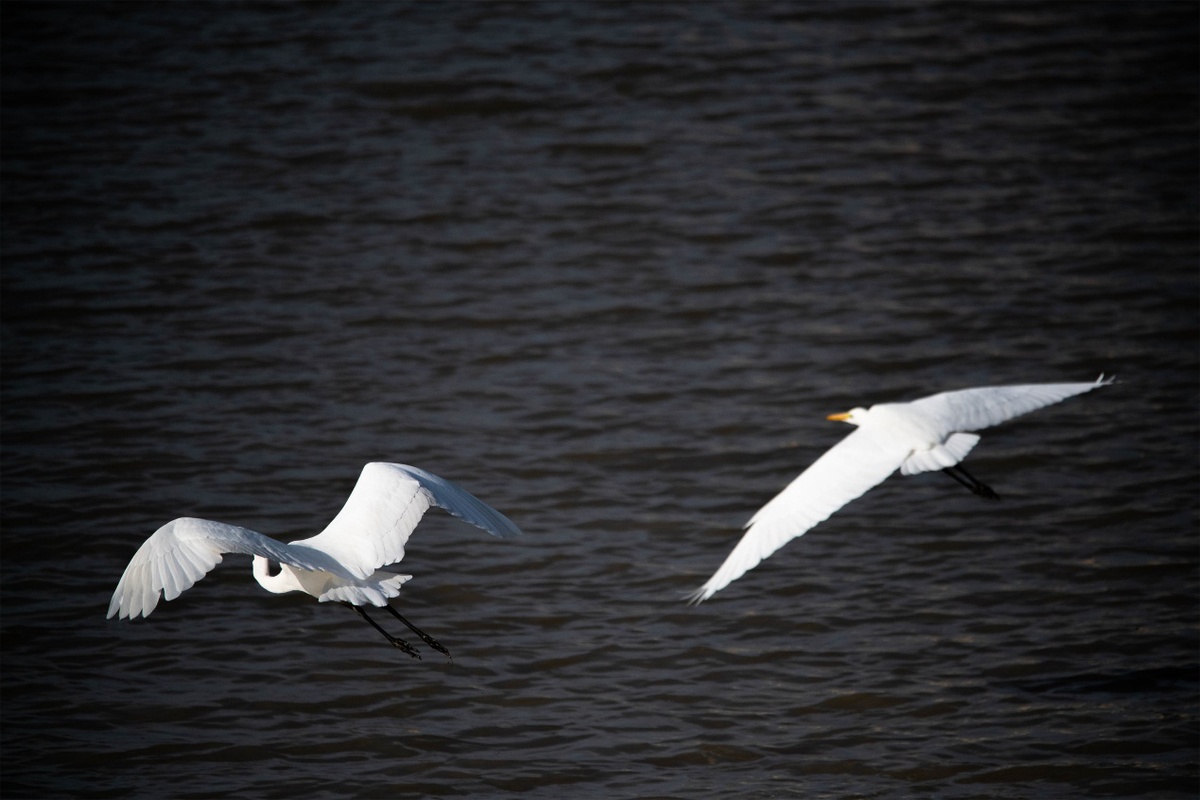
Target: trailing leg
(403,645)
(425,637)
(971,482)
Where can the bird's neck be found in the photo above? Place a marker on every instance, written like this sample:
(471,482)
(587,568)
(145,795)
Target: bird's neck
(279,584)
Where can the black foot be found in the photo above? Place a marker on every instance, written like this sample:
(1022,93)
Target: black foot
(425,637)
(429,640)
(405,646)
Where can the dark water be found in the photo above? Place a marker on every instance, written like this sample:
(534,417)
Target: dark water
(608,267)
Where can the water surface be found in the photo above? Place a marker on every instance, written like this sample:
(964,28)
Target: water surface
(608,267)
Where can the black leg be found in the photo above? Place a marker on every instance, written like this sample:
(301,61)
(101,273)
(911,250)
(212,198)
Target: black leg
(403,645)
(971,482)
(425,637)
(953,474)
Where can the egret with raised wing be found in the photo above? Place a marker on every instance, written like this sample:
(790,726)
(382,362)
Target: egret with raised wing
(933,433)
(340,564)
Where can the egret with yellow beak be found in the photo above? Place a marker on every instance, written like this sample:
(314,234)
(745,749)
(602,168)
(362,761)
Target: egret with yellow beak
(933,433)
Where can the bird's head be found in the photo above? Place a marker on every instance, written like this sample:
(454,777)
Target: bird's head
(854,416)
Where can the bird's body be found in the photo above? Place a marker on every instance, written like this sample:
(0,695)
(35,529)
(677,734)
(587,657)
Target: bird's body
(341,564)
(932,433)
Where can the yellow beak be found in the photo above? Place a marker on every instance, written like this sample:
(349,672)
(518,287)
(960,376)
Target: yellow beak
(839,417)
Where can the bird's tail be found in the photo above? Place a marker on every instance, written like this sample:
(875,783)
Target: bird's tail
(374,591)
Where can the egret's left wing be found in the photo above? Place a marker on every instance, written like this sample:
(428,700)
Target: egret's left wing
(975,409)
(383,509)
(183,551)
(846,471)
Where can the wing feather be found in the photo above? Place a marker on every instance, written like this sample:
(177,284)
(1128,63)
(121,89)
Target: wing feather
(384,508)
(183,551)
(975,409)
(177,577)
(846,471)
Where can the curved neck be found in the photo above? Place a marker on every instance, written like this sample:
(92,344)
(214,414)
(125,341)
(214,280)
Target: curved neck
(279,584)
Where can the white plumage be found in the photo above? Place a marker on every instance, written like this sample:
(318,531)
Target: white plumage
(342,563)
(932,433)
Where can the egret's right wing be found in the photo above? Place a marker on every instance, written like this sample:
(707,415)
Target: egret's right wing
(183,551)
(846,471)
(975,409)
(384,508)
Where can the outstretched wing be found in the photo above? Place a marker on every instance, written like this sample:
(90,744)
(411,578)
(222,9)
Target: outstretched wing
(846,471)
(975,409)
(183,551)
(383,509)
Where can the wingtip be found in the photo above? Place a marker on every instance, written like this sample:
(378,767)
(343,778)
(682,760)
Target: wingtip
(1102,381)
(121,604)
(509,531)
(492,521)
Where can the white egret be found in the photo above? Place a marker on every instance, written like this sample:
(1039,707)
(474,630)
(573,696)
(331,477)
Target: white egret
(932,433)
(339,564)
